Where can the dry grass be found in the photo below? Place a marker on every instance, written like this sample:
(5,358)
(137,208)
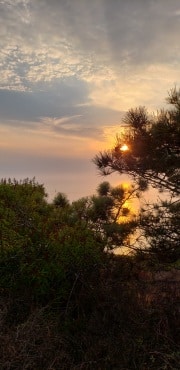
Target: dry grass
(110,325)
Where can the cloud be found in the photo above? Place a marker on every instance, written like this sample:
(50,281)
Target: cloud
(69,69)
(46,99)
(81,121)
(50,46)
(103,44)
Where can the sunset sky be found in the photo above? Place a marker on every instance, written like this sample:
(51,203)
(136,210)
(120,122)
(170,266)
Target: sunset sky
(69,70)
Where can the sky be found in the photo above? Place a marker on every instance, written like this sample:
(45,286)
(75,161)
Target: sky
(69,70)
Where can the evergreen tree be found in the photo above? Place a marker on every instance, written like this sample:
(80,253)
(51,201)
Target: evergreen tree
(153,143)
(149,151)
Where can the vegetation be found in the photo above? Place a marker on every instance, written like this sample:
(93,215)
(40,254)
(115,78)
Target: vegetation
(153,143)
(152,158)
(66,301)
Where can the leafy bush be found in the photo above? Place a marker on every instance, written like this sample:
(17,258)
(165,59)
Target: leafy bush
(41,249)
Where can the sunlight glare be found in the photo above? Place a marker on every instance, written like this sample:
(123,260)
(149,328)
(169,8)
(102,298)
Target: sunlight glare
(124,148)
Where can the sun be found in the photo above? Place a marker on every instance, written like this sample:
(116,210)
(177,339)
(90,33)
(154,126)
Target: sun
(124,148)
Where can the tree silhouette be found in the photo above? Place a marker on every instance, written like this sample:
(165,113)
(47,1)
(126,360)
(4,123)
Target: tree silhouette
(154,147)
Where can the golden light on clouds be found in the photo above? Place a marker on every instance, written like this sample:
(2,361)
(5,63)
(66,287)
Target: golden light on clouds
(63,95)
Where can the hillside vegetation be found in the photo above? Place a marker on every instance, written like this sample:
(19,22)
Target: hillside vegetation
(67,301)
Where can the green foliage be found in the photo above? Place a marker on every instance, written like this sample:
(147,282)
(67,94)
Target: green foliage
(42,246)
(152,159)
(107,214)
(103,189)
(160,227)
(65,303)
(138,119)
(22,207)
(79,250)
(60,200)
(110,321)
(153,147)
